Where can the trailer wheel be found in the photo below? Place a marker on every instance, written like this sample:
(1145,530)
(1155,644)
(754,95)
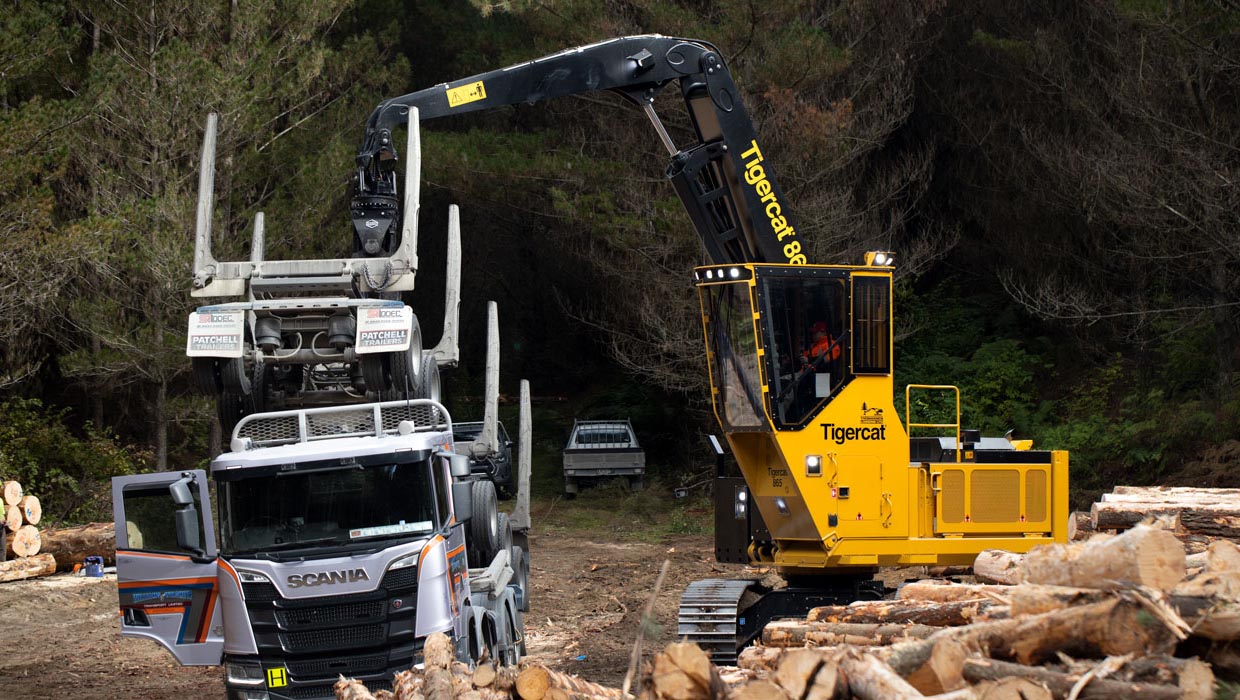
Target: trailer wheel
(228,409)
(484,532)
(235,379)
(406,365)
(430,388)
(505,536)
(521,565)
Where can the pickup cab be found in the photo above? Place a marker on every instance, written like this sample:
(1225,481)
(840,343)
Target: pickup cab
(602,449)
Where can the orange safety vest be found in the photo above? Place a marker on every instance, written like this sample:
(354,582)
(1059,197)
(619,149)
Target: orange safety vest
(820,348)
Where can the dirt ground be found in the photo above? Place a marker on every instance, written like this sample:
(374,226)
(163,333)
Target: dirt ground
(61,638)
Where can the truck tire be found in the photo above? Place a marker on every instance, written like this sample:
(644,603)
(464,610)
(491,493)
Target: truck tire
(484,533)
(521,565)
(505,536)
(375,372)
(207,377)
(636,483)
(430,387)
(406,365)
(570,488)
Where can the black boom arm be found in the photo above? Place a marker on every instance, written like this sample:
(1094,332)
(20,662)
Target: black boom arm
(723,179)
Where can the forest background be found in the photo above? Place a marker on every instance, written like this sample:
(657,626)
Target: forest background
(1058,181)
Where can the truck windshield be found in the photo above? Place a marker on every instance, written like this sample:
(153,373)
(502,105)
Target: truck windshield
(341,506)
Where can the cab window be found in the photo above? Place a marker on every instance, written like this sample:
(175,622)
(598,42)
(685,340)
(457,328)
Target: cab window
(150,520)
(806,331)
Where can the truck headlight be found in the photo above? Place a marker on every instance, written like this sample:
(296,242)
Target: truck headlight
(742,503)
(404,562)
(244,674)
(251,577)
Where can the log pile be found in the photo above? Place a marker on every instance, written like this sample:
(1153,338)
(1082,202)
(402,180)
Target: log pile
(1116,616)
(20,540)
(1196,516)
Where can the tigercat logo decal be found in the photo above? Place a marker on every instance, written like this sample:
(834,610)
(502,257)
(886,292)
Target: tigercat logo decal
(327,578)
(755,175)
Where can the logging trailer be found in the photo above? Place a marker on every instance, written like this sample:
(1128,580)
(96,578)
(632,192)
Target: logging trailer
(830,482)
(349,527)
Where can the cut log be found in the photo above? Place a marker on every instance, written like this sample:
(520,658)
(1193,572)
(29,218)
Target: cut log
(25,541)
(1080,526)
(407,685)
(1193,517)
(682,671)
(12,518)
(1223,556)
(437,651)
(998,566)
(868,678)
(758,690)
(537,681)
(1060,684)
(27,567)
(793,633)
(1016,689)
(72,545)
(945,592)
(809,676)
(941,672)
(351,689)
(12,492)
(919,612)
(1142,556)
(1171,494)
(1193,677)
(31,511)
(484,675)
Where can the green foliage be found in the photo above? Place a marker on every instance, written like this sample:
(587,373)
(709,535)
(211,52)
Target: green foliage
(68,470)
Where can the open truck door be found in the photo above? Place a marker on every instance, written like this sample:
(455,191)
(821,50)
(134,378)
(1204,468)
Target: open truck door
(166,564)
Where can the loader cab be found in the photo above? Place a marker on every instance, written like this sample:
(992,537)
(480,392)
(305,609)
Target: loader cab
(785,340)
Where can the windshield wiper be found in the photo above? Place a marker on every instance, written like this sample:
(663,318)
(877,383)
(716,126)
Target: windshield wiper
(299,544)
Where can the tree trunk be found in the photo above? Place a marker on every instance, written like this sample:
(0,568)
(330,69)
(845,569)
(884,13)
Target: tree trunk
(1142,556)
(71,545)
(870,679)
(1219,519)
(27,567)
(943,592)
(902,612)
(795,633)
(1060,684)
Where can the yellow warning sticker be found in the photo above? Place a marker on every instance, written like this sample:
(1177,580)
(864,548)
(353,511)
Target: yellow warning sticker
(277,677)
(465,94)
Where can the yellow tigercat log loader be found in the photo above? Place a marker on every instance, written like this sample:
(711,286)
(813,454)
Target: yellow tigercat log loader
(832,485)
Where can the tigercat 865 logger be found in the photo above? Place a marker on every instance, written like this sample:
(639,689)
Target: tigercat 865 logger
(832,485)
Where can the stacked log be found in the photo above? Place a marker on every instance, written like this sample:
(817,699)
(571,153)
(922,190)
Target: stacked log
(20,540)
(1196,516)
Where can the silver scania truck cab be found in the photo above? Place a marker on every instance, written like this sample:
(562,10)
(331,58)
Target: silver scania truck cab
(341,545)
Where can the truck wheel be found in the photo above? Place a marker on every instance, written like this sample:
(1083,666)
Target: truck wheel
(521,565)
(484,532)
(570,488)
(235,379)
(207,375)
(375,372)
(635,483)
(406,365)
(430,387)
(228,408)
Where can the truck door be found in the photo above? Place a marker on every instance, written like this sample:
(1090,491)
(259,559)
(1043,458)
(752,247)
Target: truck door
(166,564)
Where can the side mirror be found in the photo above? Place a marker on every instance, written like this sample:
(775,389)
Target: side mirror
(458,466)
(463,500)
(181,493)
(188,536)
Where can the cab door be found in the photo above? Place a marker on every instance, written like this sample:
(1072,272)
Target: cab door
(166,564)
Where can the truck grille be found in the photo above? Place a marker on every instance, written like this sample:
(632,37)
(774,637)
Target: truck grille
(400,579)
(313,692)
(346,666)
(337,638)
(260,592)
(330,614)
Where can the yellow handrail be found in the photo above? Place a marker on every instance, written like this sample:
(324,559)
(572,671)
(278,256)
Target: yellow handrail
(908,411)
